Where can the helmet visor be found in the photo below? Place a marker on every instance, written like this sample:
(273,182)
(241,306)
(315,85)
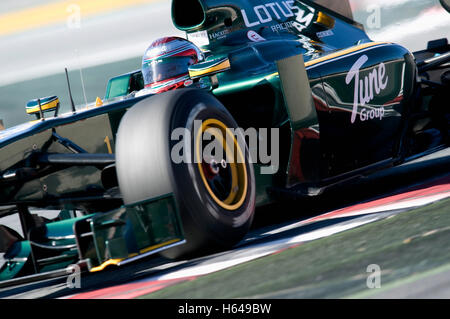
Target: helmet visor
(165,69)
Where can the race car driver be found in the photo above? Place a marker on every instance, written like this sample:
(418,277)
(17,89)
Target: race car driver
(166,62)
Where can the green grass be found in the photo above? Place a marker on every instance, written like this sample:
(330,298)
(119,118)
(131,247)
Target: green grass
(406,244)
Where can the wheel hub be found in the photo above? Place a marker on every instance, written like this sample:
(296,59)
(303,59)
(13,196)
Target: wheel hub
(225,180)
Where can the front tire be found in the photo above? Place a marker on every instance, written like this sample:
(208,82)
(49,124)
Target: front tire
(216,198)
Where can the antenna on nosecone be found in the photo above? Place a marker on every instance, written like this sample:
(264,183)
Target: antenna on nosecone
(70,92)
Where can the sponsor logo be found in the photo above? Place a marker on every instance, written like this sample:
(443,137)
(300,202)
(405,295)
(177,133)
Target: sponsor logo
(271,11)
(307,45)
(370,114)
(255,37)
(366,89)
(282,26)
(219,35)
(324,34)
(199,38)
(188,82)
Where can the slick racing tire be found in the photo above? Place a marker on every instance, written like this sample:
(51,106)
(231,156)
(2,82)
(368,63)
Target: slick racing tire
(215,196)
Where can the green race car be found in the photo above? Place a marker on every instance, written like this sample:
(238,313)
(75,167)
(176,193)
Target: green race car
(289,99)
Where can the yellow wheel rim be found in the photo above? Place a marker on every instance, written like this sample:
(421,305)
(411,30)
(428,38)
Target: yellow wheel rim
(237,169)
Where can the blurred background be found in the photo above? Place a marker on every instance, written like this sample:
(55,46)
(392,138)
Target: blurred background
(98,39)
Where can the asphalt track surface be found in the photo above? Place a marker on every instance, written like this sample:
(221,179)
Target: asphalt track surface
(369,200)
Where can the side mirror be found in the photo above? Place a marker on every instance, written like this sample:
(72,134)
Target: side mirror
(43,105)
(211,69)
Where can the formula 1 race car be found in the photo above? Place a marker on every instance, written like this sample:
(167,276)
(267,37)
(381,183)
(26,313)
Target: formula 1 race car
(295,98)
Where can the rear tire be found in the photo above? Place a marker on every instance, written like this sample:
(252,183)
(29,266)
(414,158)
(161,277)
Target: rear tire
(213,219)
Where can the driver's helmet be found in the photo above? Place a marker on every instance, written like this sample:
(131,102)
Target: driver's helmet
(166,62)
